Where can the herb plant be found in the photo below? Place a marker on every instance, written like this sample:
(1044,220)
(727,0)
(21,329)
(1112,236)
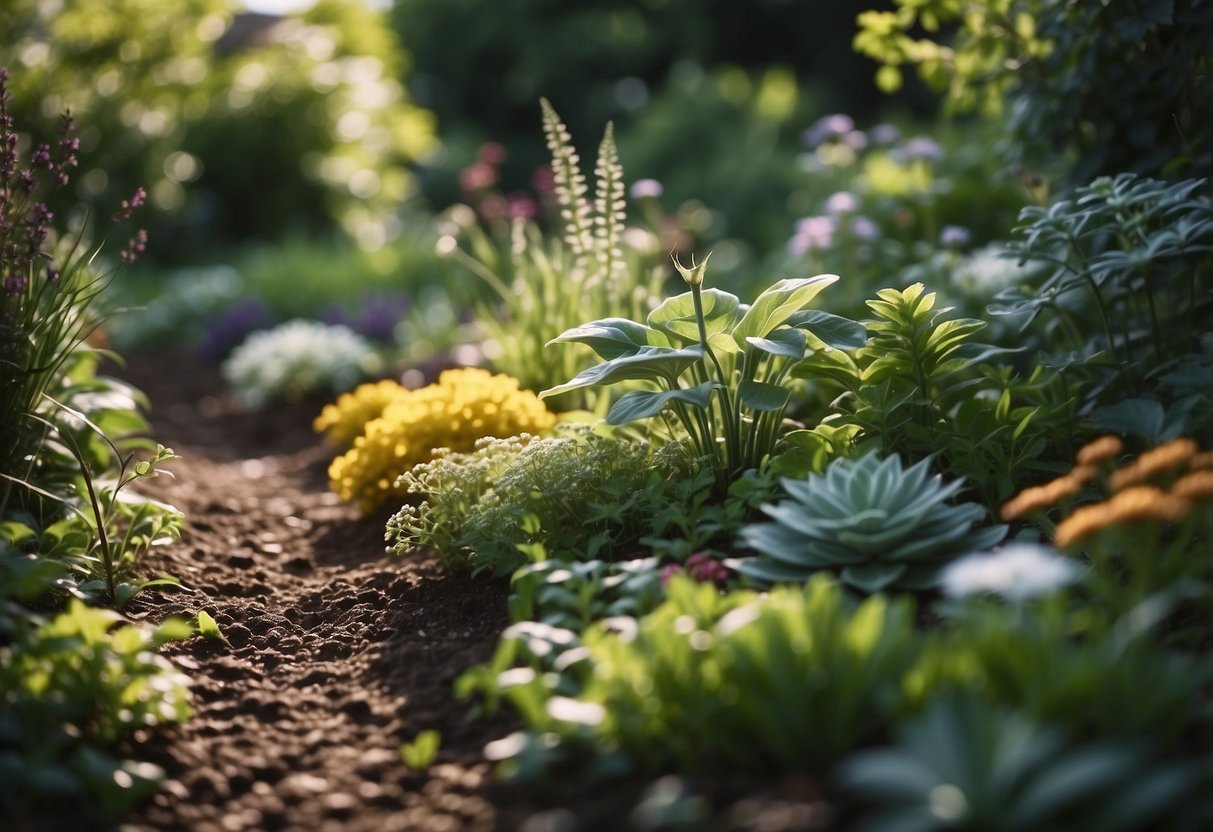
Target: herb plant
(721,368)
(877,525)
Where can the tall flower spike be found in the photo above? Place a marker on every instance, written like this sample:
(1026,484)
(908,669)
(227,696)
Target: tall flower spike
(610,206)
(570,185)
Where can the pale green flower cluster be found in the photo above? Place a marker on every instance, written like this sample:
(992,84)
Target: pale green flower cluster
(297,359)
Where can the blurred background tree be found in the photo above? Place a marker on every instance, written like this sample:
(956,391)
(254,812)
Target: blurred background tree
(240,126)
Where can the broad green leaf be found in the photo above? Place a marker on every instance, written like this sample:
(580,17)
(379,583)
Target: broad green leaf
(832,330)
(783,342)
(759,395)
(775,305)
(644,404)
(676,315)
(613,337)
(646,364)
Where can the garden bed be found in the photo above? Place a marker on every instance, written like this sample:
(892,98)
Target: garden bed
(338,653)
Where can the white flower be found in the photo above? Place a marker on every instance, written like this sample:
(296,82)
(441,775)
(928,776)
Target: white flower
(841,202)
(296,359)
(646,189)
(1017,572)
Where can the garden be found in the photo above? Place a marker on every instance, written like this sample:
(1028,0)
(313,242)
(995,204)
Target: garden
(626,414)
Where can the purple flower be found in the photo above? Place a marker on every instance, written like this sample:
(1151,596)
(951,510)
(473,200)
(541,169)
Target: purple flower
(828,127)
(230,328)
(922,147)
(812,234)
(954,236)
(841,202)
(646,189)
(862,228)
(885,134)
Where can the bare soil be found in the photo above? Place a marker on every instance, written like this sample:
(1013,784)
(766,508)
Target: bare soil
(338,653)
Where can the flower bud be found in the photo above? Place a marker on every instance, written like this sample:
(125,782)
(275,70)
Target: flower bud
(694,275)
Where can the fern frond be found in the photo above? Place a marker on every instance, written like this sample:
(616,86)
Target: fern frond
(570,184)
(610,207)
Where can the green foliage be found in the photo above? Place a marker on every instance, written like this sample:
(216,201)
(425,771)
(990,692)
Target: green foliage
(578,495)
(720,367)
(1123,86)
(574,595)
(73,687)
(1062,665)
(877,525)
(422,751)
(922,386)
(543,287)
(236,131)
(967,765)
(788,680)
(209,628)
(1127,286)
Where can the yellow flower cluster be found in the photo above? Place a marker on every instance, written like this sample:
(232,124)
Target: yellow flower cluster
(463,406)
(347,418)
(1135,490)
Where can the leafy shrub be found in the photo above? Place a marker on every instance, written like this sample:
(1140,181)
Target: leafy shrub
(965,764)
(1120,86)
(574,595)
(921,386)
(785,681)
(877,525)
(720,367)
(1127,280)
(463,406)
(298,359)
(308,111)
(578,495)
(72,688)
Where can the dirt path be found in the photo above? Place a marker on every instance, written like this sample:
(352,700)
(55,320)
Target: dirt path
(338,652)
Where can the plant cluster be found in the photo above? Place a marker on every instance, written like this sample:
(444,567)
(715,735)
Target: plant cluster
(878,525)
(72,688)
(721,369)
(463,406)
(577,495)
(72,684)
(298,359)
(1135,89)
(540,287)
(1135,255)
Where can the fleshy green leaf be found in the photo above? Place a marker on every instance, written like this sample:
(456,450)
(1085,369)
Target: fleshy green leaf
(676,315)
(760,395)
(783,343)
(832,330)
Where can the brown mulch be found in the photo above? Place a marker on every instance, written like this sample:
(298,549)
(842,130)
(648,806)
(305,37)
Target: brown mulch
(337,653)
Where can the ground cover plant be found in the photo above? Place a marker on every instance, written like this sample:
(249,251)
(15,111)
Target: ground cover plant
(903,523)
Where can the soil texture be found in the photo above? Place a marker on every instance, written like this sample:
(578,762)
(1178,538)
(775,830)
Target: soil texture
(337,652)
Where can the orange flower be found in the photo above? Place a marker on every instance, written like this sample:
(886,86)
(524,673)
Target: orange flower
(1142,502)
(1047,495)
(1204,459)
(1154,462)
(1197,485)
(1103,448)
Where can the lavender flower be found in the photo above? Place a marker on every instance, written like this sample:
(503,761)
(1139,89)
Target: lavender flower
(812,234)
(828,127)
(646,189)
(954,236)
(863,228)
(885,134)
(842,202)
(922,147)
